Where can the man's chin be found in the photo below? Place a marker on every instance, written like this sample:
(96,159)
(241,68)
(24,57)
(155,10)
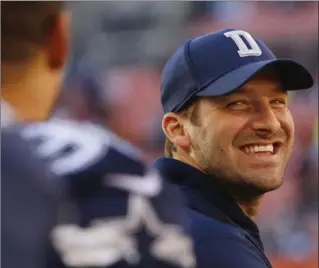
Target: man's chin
(254,185)
(265,184)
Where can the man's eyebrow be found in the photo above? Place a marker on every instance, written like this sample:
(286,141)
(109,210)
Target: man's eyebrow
(236,92)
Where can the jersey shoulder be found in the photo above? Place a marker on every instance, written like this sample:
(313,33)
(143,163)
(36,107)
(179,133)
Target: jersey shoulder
(73,148)
(18,157)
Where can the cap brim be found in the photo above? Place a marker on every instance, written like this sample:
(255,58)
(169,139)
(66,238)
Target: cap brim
(293,76)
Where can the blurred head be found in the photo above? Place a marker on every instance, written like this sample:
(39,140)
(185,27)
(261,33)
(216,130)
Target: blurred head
(34,41)
(244,137)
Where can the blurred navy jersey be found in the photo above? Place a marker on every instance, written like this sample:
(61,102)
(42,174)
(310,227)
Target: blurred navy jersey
(29,204)
(119,213)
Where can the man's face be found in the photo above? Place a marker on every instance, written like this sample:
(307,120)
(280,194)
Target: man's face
(245,137)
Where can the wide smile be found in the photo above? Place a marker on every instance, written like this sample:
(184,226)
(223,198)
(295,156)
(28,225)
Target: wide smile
(261,149)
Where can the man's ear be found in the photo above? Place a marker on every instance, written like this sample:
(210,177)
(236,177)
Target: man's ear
(175,131)
(58,41)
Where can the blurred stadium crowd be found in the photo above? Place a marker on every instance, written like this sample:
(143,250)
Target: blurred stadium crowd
(119,49)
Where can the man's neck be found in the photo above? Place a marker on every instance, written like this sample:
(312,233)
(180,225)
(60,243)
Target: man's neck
(250,208)
(30,95)
(183,157)
(248,202)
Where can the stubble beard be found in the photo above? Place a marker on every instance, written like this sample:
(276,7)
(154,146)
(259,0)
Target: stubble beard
(244,185)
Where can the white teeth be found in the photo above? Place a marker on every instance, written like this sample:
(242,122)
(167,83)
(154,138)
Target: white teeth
(259,148)
(270,148)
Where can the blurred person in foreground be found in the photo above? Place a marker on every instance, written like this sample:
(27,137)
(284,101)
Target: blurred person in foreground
(73,194)
(33,51)
(229,137)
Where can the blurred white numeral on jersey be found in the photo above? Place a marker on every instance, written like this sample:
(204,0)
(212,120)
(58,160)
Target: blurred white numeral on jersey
(110,240)
(148,185)
(171,244)
(237,36)
(89,142)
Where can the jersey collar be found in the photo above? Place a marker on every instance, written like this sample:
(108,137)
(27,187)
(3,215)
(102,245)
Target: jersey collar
(8,115)
(204,194)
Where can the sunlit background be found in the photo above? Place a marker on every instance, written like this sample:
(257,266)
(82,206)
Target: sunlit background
(118,52)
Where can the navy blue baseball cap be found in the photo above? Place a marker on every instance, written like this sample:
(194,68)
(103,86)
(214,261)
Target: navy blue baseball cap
(219,63)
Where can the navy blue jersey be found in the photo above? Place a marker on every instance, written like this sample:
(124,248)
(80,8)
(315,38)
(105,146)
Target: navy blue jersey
(29,203)
(224,236)
(118,213)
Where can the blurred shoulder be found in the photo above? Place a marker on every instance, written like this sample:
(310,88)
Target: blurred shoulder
(73,146)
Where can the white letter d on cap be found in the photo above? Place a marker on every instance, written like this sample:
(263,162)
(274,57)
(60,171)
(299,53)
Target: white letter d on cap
(243,50)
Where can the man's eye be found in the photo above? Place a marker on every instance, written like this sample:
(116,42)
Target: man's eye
(240,104)
(278,103)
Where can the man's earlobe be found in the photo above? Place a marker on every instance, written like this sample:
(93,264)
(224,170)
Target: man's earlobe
(183,140)
(170,125)
(58,42)
(175,131)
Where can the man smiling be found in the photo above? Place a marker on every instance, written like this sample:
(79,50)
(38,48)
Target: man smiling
(229,136)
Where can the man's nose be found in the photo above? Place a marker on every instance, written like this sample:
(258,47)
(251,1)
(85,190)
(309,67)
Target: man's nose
(265,122)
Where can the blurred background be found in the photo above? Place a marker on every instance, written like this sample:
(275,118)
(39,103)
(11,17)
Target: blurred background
(113,78)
